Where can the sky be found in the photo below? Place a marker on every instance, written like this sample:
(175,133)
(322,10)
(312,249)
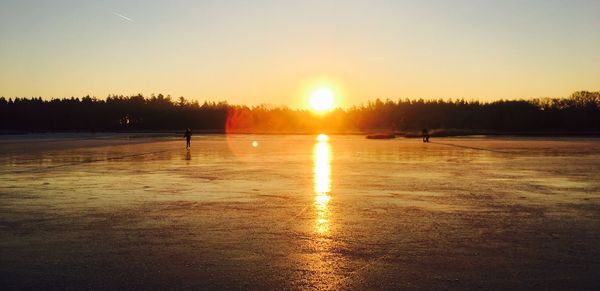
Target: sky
(276,52)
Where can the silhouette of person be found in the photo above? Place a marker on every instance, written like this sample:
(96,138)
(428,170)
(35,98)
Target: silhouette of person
(188,137)
(425,133)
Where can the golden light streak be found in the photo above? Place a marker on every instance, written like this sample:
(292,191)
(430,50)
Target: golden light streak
(322,182)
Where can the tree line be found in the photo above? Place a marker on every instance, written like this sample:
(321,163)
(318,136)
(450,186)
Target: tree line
(579,112)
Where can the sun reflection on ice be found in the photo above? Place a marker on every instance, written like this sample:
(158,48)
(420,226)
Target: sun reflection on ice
(322,179)
(323,138)
(324,263)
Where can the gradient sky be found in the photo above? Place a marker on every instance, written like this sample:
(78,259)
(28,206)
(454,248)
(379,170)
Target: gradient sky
(253,52)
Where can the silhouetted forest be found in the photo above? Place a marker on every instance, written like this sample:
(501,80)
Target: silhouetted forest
(579,112)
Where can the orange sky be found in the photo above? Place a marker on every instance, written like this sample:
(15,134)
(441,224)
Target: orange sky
(276,52)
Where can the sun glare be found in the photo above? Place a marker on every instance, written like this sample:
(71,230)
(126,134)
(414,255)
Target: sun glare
(322,137)
(322,99)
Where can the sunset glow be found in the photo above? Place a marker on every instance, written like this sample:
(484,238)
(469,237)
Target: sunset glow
(322,99)
(313,145)
(399,49)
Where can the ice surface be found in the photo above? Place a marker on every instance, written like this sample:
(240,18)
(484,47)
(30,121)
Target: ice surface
(271,211)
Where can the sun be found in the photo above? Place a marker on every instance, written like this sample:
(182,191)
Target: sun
(322,99)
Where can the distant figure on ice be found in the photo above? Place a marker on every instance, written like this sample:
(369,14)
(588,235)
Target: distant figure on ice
(425,133)
(188,137)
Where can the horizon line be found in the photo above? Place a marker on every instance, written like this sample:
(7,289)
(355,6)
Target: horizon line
(174,99)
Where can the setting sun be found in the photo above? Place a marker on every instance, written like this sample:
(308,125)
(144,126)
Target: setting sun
(322,100)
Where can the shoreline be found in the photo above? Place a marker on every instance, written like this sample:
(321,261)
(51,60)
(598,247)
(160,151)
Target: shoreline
(400,134)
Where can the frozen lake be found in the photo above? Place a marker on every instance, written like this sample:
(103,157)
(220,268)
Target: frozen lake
(297,212)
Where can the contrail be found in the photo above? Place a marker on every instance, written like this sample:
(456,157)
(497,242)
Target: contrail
(122,16)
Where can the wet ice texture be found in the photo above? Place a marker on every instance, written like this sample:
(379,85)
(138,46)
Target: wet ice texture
(293,212)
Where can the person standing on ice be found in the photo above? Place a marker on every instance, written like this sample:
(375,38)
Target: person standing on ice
(425,134)
(188,137)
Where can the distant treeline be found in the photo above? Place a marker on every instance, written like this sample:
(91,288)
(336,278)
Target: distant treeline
(579,112)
